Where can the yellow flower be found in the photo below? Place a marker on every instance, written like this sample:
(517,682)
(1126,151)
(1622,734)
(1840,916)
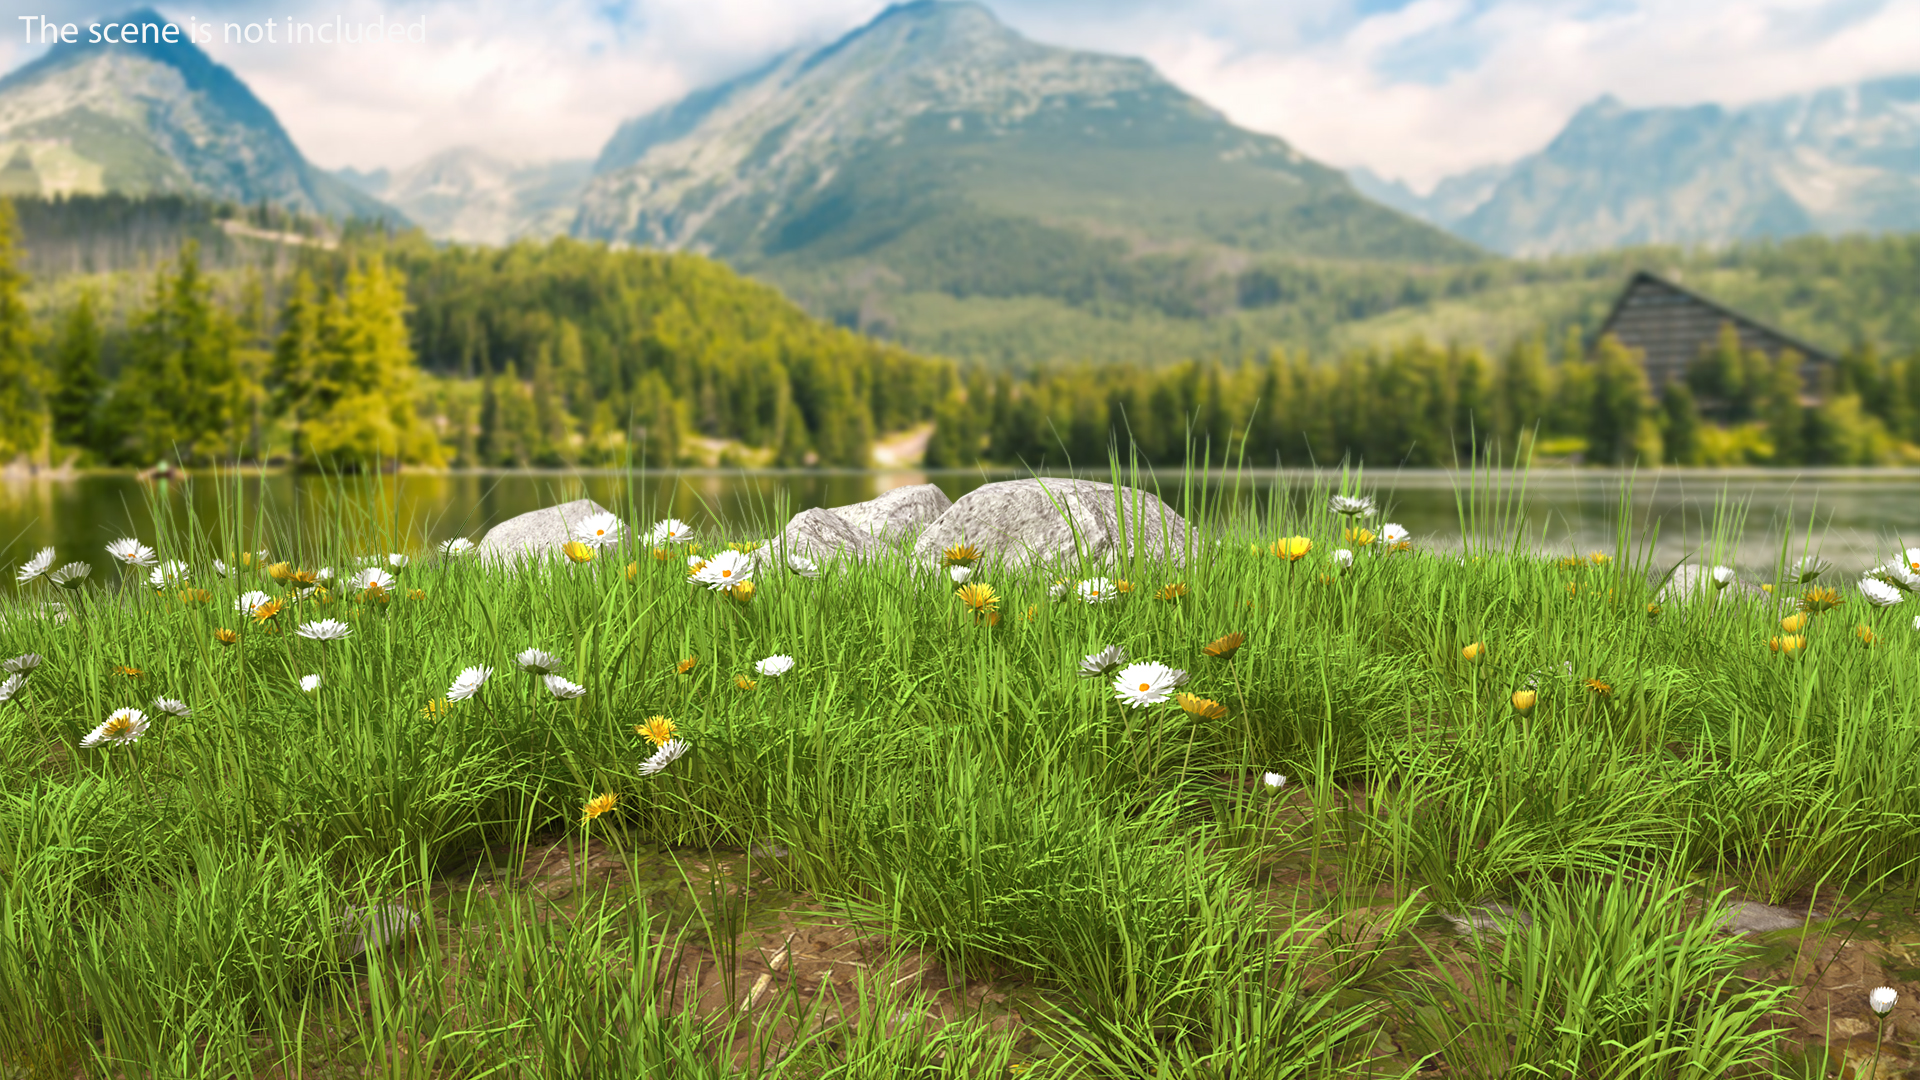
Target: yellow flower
(1523,700)
(686,665)
(1123,586)
(437,707)
(1204,708)
(993,618)
(961,555)
(266,611)
(1599,558)
(657,729)
(416,594)
(1572,562)
(1474,653)
(1600,688)
(979,598)
(302,577)
(1766,587)
(1787,643)
(1573,588)
(129,672)
(743,682)
(662,555)
(195,596)
(1224,646)
(577,552)
(1793,624)
(1292,548)
(1864,633)
(280,571)
(1359,537)
(633,570)
(597,806)
(373,592)
(225,636)
(1818,599)
(742,592)
(1653,611)
(1171,592)
(742,548)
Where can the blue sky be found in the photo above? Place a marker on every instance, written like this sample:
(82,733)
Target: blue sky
(1411,88)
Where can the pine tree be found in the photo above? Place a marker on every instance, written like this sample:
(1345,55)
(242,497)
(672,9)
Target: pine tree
(1780,408)
(77,379)
(1680,423)
(21,422)
(174,396)
(1621,404)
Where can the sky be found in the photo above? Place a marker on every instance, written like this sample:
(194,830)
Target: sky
(1413,89)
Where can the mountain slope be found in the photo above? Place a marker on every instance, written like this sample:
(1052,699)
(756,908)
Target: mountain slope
(935,151)
(155,119)
(1839,160)
(468,195)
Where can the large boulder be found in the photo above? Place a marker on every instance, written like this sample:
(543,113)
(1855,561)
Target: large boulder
(817,536)
(898,512)
(1050,520)
(536,535)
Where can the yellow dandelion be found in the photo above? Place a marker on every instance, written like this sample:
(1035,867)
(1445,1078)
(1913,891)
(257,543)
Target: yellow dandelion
(742,592)
(280,571)
(195,596)
(266,611)
(1204,708)
(1864,633)
(577,552)
(1033,612)
(1474,653)
(1600,687)
(1224,646)
(1793,624)
(1653,611)
(742,547)
(961,555)
(129,671)
(302,577)
(1523,700)
(435,708)
(1599,558)
(1572,562)
(1573,588)
(1123,586)
(1766,587)
(978,597)
(1360,537)
(225,636)
(993,618)
(596,806)
(662,555)
(657,730)
(1790,644)
(686,665)
(1818,599)
(743,682)
(633,570)
(416,594)
(1171,592)
(1291,548)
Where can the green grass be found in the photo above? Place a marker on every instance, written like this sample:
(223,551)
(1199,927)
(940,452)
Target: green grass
(1114,892)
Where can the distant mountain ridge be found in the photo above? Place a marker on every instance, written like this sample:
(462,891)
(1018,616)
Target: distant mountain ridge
(1844,159)
(155,118)
(470,196)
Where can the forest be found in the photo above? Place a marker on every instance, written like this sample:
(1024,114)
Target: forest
(135,331)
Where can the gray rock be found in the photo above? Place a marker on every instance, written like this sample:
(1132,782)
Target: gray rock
(897,513)
(536,535)
(1058,521)
(377,927)
(1691,582)
(1493,915)
(819,536)
(1747,917)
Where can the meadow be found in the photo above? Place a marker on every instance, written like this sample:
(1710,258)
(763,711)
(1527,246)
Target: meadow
(1406,813)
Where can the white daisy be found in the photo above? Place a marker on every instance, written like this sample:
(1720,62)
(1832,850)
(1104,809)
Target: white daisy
(1393,533)
(132,552)
(695,562)
(123,728)
(172,707)
(221,569)
(1343,558)
(323,575)
(1896,573)
(1097,590)
(171,572)
(24,664)
(1882,1000)
(1910,558)
(803,566)
(71,576)
(397,560)
(324,630)
(1273,780)
(41,562)
(774,666)
(600,531)
(668,753)
(1879,593)
(537,662)
(1916,623)
(725,570)
(251,601)
(1058,590)
(1808,567)
(671,531)
(309,683)
(468,683)
(456,547)
(371,578)
(1144,684)
(564,689)
(1351,505)
(1103,663)
(960,574)
(10,687)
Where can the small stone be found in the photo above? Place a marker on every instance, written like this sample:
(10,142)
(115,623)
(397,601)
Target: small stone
(377,927)
(898,512)
(537,534)
(1495,916)
(1747,917)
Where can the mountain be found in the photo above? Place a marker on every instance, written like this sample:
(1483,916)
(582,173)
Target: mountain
(143,119)
(1840,160)
(1450,200)
(468,195)
(935,157)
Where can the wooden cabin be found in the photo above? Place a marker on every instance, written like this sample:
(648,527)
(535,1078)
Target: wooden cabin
(1670,325)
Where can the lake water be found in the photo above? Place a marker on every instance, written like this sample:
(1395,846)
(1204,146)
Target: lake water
(1857,517)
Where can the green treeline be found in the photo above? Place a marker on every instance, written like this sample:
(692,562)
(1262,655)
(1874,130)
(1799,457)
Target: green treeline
(1421,404)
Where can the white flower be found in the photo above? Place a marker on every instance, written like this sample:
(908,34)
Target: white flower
(323,575)
(468,683)
(221,569)
(695,562)
(1103,663)
(1343,557)
(1058,589)
(251,601)
(671,531)
(1097,590)
(1910,558)
(397,560)
(1808,567)
(324,630)
(309,683)
(1916,623)
(24,664)
(725,570)
(803,566)
(1351,505)
(41,562)
(564,689)
(1273,780)
(774,666)
(11,687)
(456,547)
(600,531)
(132,552)
(71,576)
(959,574)
(123,728)
(171,572)
(1882,999)
(537,662)
(668,753)
(1879,593)
(171,706)
(1394,533)
(1144,684)
(1896,573)
(371,578)
(1722,576)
